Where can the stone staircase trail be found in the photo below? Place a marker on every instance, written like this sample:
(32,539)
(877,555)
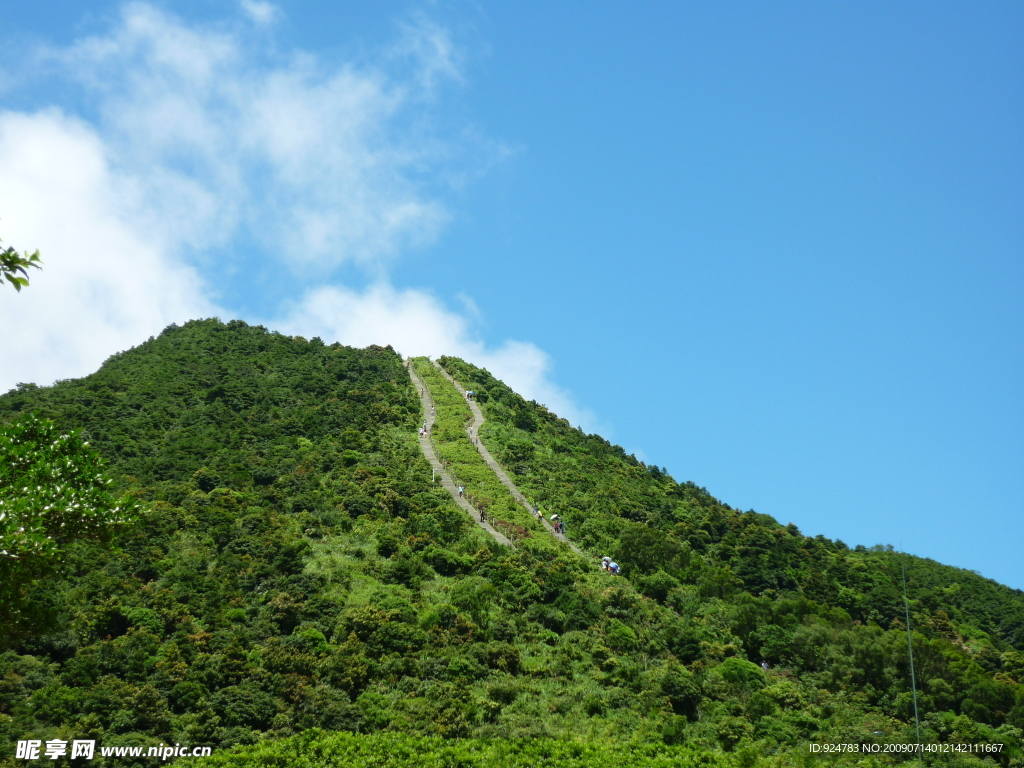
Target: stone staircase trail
(428,450)
(473,430)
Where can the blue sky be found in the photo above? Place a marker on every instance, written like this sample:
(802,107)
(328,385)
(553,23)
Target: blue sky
(774,249)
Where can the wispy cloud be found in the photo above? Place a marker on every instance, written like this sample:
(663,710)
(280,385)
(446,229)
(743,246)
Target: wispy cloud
(429,45)
(322,161)
(261,12)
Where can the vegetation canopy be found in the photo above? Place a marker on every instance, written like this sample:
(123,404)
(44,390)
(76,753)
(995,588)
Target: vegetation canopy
(296,588)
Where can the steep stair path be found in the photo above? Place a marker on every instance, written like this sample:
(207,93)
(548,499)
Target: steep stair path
(473,430)
(428,450)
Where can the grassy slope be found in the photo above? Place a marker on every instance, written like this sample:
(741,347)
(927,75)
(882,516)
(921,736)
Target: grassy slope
(464,463)
(342,750)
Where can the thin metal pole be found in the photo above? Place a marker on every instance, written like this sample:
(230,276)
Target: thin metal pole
(910,647)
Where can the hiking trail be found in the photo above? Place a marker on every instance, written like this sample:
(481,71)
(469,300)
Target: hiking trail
(473,430)
(428,451)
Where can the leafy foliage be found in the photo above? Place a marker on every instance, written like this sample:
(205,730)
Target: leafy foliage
(53,491)
(405,751)
(14,266)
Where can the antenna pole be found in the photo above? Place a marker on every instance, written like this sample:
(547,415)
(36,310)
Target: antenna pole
(910,647)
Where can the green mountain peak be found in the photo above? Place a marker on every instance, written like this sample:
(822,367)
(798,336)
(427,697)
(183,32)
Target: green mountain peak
(303,585)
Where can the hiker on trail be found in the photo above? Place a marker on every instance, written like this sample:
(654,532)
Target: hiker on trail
(461,489)
(764,665)
(614,568)
(605,562)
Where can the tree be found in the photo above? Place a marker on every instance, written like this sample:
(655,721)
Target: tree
(14,266)
(53,491)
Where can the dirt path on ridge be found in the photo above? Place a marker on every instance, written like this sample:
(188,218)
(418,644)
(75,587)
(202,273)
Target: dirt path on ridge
(428,450)
(473,430)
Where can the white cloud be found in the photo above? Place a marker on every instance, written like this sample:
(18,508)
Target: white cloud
(416,323)
(105,285)
(198,143)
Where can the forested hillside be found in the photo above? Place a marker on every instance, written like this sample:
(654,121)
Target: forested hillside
(651,523)
(294,567)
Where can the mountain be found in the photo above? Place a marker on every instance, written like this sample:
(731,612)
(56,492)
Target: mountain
(300,587)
